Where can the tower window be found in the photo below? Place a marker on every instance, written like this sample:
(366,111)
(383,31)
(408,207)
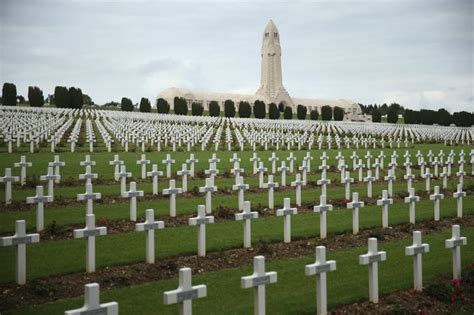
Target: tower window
(266,34)
(275,34)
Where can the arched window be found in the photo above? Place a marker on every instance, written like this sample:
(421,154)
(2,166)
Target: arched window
(266,34)
(275,34)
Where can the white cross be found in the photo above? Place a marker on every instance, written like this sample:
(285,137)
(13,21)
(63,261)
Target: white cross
(422,166)
(192,161)
(236,170)
(461,174)
(185,293)
(372,258)
(347,184)
(40,199)
(90,232)
(459,194)
(381,158)
(292,160)
(320,268)
(240,187)
(8,179)
(323,208)
(416,250)
(369,179)
(184,173)
(133,193)
(20,239)
(92,303)
(298,183)
(436,165)
(360,167)
(168,161)
(208,189)
(154,174)
(445,176)
(246,215)
(354,158)
(377,166)
(116,162)
(286,212)
(90,197)
(411,200)
(50,177)
(143,162)
(172,191)
(273,159)
(201,220)
(213,161)
(304,170)
(271,185)
(355,204)
(390,178)
(212,171)
(149,226)
(123,175)
(384,202)
(261,170)
(427,176)
(57,164)
(87,161)
(323,182)
(23,164)
(258,280)
(88,175)
(409,176)
(436,196)
(254,159)
(342,167)
(455,243)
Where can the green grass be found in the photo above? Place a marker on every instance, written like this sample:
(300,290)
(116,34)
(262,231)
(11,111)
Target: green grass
(294,293)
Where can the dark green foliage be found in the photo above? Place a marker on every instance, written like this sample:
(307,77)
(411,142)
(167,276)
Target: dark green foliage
(411,117)
(112,104)
(162,106)
(440,290)
(338,113)
(428,116)
(326,112)
(214,109)
(126,104)
(244,109)
(145,106)
(9,94)
(197,109)
(463,119)
(273,111)
(180,106)
(392,115)
(20,99)
(281,107)
(61,97)
(229,108)
(288,113)
(301,111)
(35,96)
(259,109)
(75,97)
(314,114)
(87,100)
(444,117)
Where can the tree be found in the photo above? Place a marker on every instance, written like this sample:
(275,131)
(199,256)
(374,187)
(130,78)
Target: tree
(87,100)
(273,111)
(214,109)
(126,104)
(229,108)
(444,117)
(326,112)
(162,106)
(61,97)
(145,106)
(21,99)
(288,113)
(314,114)
(197,109)
(75,98)
(376,115)
(392,114)
(9,94)
(281,107)
(245,111)
(301,111)
(259,109)
(463,119)
(428,116)
(180,106)
(338,113)
(35,96)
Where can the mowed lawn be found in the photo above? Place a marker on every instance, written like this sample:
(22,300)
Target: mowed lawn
(294,293)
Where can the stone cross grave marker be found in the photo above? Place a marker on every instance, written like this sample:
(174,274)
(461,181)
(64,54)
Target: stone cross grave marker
(261,171)
(154,174)
(143,162)
(57,164)
(323,182)
(92,305)
(455,243)
(8,179)
(149,226)
(192,160)
(283,169)
(116,162)
(412,199)
(184,172)
(409,176)
(459,194)
(298,183)
(40,199)
(390,178)
(89,196)
(292,160)
(384,202)
(246,216)
(240,187)
(133,193)
(90,232)
(271,185)
(258,280)
(273,159)
(201,220)
(19,240)
(286,212)
(369,180)
(50,177)
(123,175)
(88,175)
(322,208)
(23,165)
(168,161)
(208,189)
(355,205)
(371,259)
(436,196)
(172,191)
(427,176)
(416,250)
(347,184)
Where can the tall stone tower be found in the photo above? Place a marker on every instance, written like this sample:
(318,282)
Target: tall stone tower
(271,86)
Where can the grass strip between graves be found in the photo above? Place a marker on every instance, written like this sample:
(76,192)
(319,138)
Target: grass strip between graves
(294,293)
(50,258)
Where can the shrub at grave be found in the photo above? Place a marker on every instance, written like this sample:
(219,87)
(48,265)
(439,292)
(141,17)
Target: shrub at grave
(314,114)
(281,107)
(9,94)
(288,113)
(259,109)
(392,115)
(162,106)
(214,109)
(440,290)
(244,109)
(229,108)
(338,113)
(273,111)
(463,119)
(145,106)
(301,111)
(126,104)
(35,96)
(75,98)
(197,109)
(180,106)
(326,112)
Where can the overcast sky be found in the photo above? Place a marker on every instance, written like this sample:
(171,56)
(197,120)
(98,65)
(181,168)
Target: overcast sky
(416,53)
